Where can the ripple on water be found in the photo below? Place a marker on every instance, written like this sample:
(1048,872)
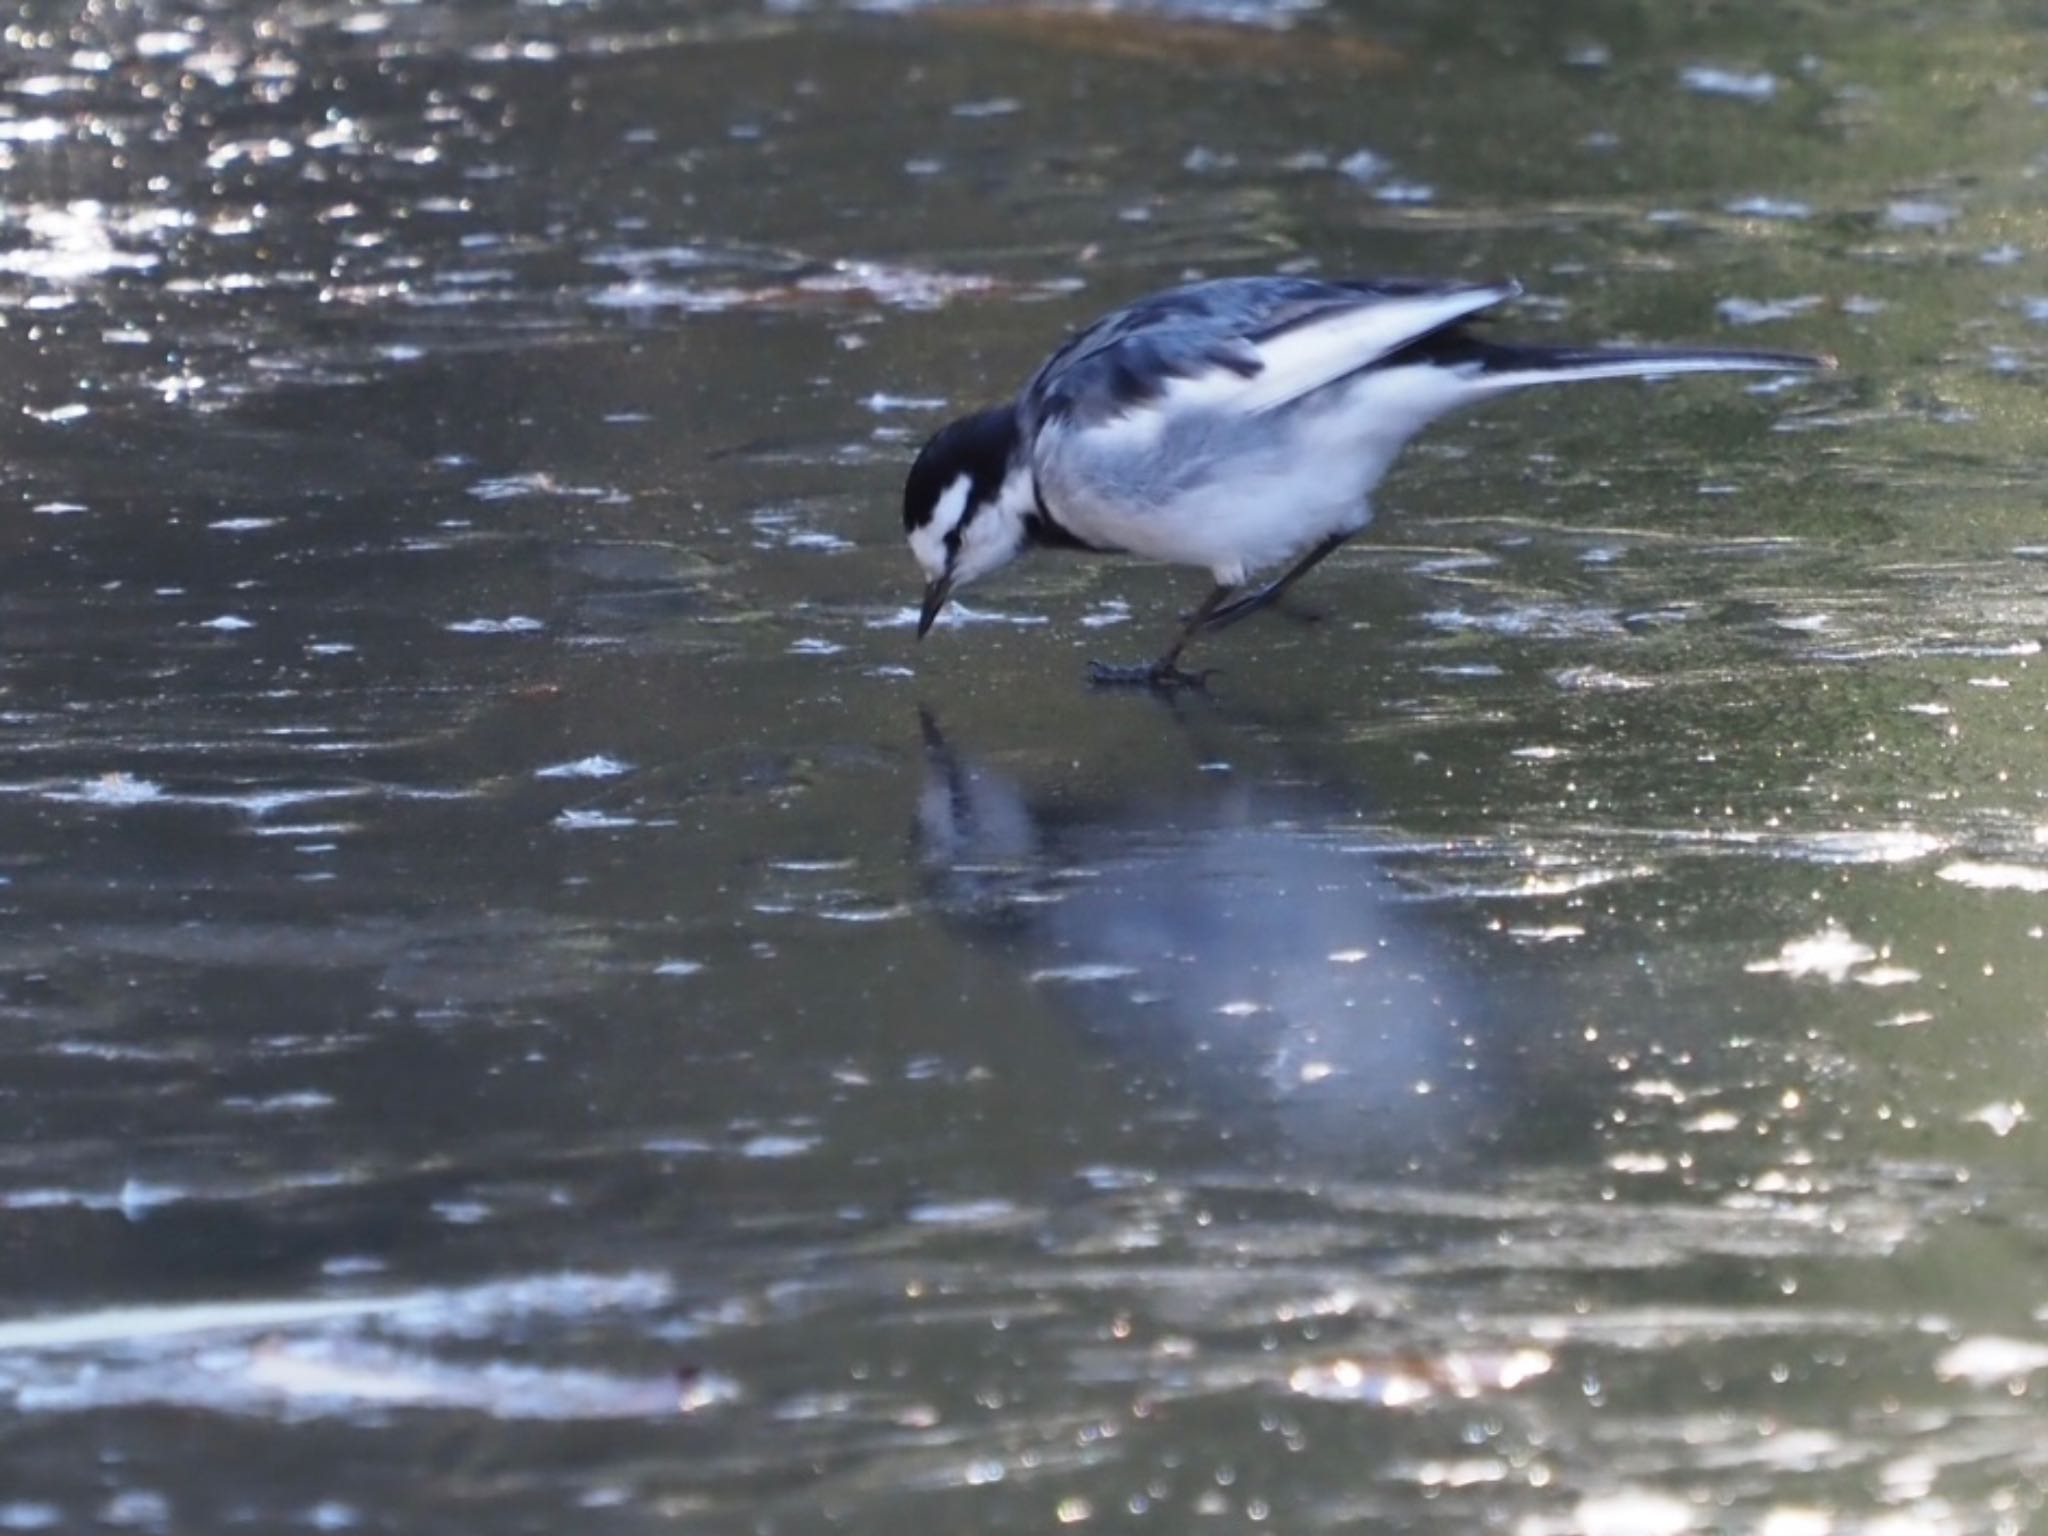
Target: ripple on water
(1992,1361)
(1718,80)
(514,624)
(299,1378)
(1743,311)
(1400,1382)
(596,766)
(1984,875)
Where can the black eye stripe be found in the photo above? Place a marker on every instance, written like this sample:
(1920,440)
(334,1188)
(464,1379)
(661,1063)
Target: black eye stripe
(975,502)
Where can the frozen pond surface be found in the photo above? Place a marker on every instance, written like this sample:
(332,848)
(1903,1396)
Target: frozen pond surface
(529,1005)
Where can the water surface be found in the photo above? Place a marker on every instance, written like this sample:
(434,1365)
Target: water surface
(531,1005)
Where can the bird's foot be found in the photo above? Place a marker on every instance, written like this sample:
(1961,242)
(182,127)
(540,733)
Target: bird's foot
(1153,674)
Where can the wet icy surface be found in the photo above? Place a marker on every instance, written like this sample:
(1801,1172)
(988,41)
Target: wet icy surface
(529,1004)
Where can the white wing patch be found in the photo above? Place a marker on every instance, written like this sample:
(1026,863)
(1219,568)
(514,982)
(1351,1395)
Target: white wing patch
(1307,357)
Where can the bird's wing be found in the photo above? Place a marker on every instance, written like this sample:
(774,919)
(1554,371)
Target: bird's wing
(1240,344)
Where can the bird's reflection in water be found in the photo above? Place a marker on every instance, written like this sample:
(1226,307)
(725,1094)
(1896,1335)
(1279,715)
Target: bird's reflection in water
(1251,957)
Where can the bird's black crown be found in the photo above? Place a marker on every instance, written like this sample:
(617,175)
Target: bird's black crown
(979,446)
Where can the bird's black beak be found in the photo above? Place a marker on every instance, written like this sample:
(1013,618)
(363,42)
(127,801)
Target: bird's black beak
(936,591)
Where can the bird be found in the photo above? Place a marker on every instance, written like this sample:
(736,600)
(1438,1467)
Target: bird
(1236,424)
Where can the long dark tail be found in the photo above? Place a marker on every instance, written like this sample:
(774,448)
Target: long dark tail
(1508,365)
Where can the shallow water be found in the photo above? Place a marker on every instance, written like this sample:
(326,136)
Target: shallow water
(531,1005)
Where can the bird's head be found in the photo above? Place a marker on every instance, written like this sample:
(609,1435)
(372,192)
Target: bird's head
(967,505)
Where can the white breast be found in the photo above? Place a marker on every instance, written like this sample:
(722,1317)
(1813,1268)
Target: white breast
(1239,493)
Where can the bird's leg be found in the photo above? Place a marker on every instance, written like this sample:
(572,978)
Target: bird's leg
(1244,607)
(1164,673)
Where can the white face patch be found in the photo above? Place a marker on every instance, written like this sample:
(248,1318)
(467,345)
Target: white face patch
(929,542)
(991,539)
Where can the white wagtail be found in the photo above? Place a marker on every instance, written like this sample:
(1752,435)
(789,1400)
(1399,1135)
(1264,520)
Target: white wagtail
(1233,424)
